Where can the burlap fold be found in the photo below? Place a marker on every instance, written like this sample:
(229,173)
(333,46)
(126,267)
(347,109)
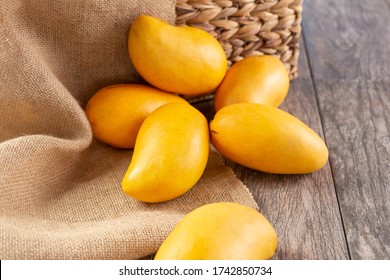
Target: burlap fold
(60,194)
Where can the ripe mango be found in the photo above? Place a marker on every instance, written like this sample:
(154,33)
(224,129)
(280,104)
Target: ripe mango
(256,79)
(267,139)
(178,59)
(170,154)
(220,231)
(116,112)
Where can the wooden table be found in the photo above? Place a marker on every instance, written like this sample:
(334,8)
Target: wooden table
(343,93)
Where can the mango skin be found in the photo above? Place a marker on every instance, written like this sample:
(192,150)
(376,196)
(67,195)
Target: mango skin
(116,112)
(220,231)
(267,139)
(170,154)
(180,59)
(256,79)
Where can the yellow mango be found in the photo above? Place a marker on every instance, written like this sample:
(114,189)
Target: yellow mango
(220,231)
(267,139)
(256,79)
(178,59)
(116,112)
(170,154)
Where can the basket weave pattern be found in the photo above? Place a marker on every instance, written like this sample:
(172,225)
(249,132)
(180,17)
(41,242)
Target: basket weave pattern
(248,27)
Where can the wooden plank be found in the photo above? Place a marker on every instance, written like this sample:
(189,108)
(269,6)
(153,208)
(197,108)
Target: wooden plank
(348,49)
(348,39)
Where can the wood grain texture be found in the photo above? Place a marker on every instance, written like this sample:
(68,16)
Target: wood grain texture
(349,54)
(348,39)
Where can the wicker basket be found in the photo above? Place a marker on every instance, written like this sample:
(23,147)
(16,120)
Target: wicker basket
(248,27)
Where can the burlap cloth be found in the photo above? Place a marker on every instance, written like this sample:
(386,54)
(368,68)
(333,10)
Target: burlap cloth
(60,193)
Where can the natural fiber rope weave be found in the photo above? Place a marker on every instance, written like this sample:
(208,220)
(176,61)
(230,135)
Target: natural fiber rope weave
(248,27)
